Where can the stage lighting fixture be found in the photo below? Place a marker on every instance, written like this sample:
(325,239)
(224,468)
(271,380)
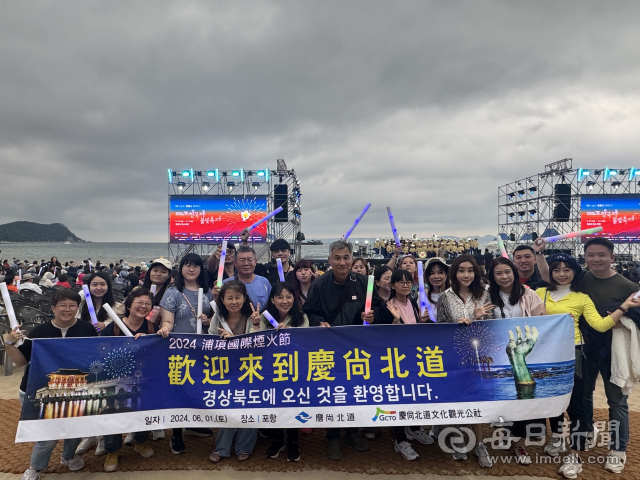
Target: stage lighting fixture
(256,185)
(242,174)
(521,213)
(248,173)
(206,185)
(231,184)
(615,185)
(511,215)
(235,173)
(532,212)
(609,172)
(510,195)
(185,173)
(211,173)
(170,176)
(590,185)
(296,211)
(633,172)
(582,173)
(532,190)
(261,174)
(181,185)
(224,174)
(520,192)
(597,172)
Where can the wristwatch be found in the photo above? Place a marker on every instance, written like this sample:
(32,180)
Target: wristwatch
(7,342)
(538,253)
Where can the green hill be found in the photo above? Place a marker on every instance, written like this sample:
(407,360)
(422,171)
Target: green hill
(36,232)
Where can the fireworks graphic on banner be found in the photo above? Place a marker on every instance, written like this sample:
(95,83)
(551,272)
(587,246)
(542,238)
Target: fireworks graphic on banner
(96,367)
(474,342)
(119,363)
(246,208)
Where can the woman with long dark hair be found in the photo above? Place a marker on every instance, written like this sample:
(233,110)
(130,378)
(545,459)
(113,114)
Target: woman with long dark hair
(436,279)
(510,297)
(178,310)
(235,316)
(464,302)
(159,274)
(301,280)
(101,292)
(382,281)
(564,295)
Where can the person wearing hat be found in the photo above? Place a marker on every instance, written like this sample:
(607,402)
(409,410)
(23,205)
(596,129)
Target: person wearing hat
(436,279)
(159,274)
(564,295)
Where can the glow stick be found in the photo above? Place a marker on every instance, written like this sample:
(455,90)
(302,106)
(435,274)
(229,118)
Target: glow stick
(355,224)
(280,270)
(580,233)
(394,229)
(40,272)
(367,302)
(223,257)
(501,246)
(19,279)
(55,269)
(264,219)
(199,311)
(423,297)
(153,290)
(117,319)
(20,274)
(269,317)
(90,307)
(8,305)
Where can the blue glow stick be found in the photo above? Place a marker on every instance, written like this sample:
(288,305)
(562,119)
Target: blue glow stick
(355,224)
(280,270)
(264,219)
(424,301)
(269,317)
(89,301)
(396,237)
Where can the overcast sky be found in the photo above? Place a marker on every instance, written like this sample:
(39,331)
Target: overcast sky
(423,106)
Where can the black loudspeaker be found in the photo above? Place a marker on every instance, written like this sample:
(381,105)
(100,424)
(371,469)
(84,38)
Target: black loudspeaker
(512,237)
(280,199)
(534,236)
(562,210)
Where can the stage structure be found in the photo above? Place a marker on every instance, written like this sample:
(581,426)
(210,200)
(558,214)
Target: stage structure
(208,206)
(563,199)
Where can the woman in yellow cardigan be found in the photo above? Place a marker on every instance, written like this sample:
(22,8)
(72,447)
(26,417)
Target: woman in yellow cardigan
(564,295)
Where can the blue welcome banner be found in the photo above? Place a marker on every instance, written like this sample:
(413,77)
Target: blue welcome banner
(356,376)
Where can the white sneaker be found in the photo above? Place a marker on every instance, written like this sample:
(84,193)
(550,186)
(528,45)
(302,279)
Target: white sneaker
(419,435)
(406,450)
(76,463)
(459,456)
(555,447)
(615,461)
(31,475)
(86,444)
(101,449)
(484,460)
(592,439)
(128,440)
(571,467)
(158,434)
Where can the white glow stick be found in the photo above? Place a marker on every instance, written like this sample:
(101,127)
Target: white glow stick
(355,224)
(269,317)
(40,272)
(117,319)
(223,257)
(20,274)
(8,305)
(579,233)
(503,250)
(153,290)
(280,270)
(264,219)
(55,269)
(199,311)
(90,307)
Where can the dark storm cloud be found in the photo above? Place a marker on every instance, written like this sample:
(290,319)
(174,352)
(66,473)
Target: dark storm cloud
(423,106)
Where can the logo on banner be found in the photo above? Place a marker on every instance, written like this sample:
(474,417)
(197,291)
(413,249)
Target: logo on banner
(303,417)
(384,416)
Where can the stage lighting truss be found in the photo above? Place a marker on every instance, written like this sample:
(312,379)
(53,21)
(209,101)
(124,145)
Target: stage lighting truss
(241,181)
(527,206)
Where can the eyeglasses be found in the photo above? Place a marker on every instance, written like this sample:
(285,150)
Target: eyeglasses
(245,260)
(142,304)
(404,284)
(65,306)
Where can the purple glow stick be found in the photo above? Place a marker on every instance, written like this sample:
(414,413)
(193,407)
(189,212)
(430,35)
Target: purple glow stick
(223,256)
(264,219)
(396,237)
(90,307)
(269,317)
(424,301)
(280,270)
(355,224)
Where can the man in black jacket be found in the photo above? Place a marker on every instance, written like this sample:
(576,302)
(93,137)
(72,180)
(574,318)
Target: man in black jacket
(334,299)
(524,259)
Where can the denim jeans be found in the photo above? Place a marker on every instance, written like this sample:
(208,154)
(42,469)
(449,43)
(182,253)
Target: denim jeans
(618,406)
(41,452)
(113,443)
(245,440)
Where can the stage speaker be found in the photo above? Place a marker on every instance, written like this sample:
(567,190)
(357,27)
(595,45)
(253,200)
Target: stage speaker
(512,237)
(281,199)
(534,236)
(562,210)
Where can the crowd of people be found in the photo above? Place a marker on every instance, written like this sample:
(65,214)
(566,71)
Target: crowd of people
(458,292)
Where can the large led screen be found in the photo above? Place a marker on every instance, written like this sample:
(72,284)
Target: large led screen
(211,219)
(618,215)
